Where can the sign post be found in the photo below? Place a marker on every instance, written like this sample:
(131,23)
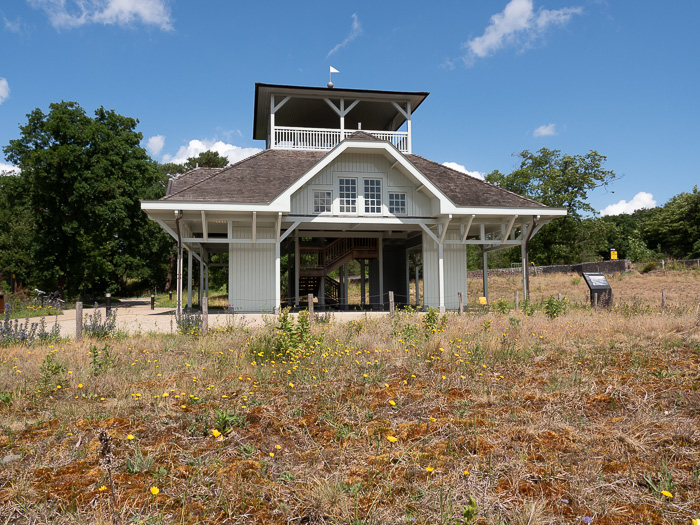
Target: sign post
(601,292)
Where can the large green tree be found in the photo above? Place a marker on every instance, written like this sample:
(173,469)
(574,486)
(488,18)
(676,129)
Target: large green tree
(674,229)
(83,178)
(560,181)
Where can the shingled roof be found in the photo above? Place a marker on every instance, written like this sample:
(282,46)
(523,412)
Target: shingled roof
(263,177)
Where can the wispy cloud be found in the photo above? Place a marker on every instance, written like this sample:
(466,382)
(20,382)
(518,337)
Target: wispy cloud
(67,14)
(14,26)
(4,90)
(638,202)
(195,147)
(517,25)
(355,31)
(545,131)
(459,167)
(155,144)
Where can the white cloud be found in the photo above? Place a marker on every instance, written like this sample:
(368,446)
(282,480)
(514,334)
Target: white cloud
(14,26)
(75,13)
(355,31)
(545,131)
(8,167)
(195,147)
(155,144)
(459,167)
(4,90)
(638,202)
(518,24)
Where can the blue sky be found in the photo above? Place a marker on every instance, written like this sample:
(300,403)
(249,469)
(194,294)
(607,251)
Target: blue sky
(619,77)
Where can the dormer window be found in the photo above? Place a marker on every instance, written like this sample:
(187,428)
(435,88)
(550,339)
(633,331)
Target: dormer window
(348,195)
(323,200)
(373,195)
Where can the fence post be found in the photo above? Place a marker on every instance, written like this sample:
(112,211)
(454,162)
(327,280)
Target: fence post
(663,265)
(310,300)
(205,314)
(153,302)
(461,303)
(78,321)
(559,296)
(517,300)
(391,303)
(663,299)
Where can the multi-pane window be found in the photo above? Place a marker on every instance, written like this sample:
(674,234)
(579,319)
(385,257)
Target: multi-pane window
(347,202)
(322,201)
(373,196)
(397,203)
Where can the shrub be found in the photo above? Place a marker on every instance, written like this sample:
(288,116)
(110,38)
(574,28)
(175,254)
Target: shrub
(554,307)
(648,267)
(12,331)
(501,306)
(189,323)
(95,326)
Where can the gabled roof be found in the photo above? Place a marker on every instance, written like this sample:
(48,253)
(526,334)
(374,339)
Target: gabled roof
(465,190)
(262,178)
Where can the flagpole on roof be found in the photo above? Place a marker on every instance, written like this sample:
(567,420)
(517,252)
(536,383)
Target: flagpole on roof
(330,80)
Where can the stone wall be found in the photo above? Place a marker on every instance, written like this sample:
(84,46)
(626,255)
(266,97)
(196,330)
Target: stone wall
(606,267)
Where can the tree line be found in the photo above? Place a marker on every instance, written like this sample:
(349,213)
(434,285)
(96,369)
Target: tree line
(71,218)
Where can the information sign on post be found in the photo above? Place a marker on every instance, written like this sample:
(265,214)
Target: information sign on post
(613,254)
(600,289)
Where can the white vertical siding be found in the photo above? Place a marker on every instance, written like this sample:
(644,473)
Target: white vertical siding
(431,293)
(375,165)
(251,277)
(455,256)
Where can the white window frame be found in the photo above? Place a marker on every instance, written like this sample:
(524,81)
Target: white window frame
(381,199)
(313,201)
(394,191)
(358,199)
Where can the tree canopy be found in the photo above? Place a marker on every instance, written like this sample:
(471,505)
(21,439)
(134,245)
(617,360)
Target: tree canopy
(83,178)
(206,159)
(560,181)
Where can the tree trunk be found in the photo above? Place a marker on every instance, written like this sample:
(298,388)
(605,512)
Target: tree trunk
(171,269)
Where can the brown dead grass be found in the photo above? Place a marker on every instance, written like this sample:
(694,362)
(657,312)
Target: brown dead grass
(539,420)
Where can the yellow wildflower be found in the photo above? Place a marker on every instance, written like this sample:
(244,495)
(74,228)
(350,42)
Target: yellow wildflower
(155,490)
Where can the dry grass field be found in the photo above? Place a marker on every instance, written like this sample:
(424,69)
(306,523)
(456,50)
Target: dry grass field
(592,416)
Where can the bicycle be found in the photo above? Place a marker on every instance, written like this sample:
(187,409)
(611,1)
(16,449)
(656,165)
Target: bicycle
(53,300)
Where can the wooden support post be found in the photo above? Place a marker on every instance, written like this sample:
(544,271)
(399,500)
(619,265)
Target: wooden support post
(517,300)
(391,303)
(205,314)
(595,300)
(78,321)
(310,299)
(663,299)
(461,303)
(559,297)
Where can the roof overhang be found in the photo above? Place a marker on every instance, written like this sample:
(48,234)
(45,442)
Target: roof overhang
(306,97)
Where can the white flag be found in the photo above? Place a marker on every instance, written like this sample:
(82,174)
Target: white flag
(334,70)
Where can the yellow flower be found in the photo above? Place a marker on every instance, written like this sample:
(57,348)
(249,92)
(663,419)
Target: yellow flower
(667,493)
(695,522)
(165,394)
(155,490)
(392,402)
(392,439)
(429,469)
(102,488)
(130,437)
(291,385)
(272,454)
(466,472)
(80,385)
(215,433)
(278,447)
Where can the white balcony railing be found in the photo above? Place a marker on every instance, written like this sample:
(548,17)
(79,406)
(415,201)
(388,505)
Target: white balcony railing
(318,139)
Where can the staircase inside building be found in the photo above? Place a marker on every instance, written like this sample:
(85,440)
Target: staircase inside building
(316,262)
